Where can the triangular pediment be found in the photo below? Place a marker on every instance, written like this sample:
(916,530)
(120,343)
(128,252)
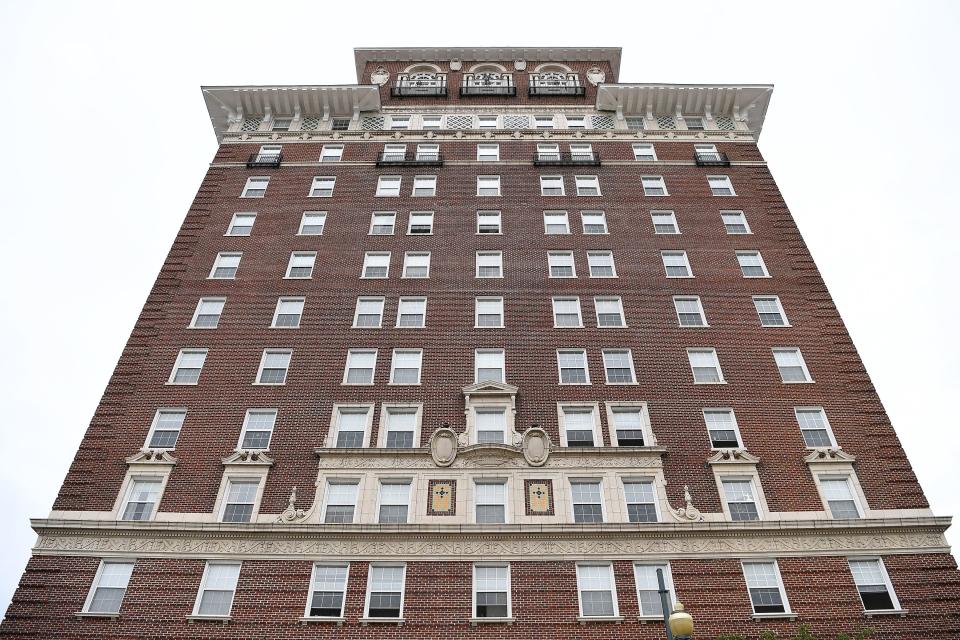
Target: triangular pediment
(489,387)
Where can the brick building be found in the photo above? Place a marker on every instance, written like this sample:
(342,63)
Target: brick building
(470,349)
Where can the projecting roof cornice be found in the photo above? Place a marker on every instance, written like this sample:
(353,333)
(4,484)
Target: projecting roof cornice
(742,102)
(229,104)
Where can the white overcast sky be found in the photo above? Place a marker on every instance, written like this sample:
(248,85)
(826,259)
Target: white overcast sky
(107,139)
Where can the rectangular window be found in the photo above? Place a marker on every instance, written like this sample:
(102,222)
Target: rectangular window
(376,264)
(382,223)
(257,429)
(109,586)
(489,264)
(722,428)
(487,122)
(217,587)
(689,311)
(312,223)
(721,186)
(583,153)
(225,266)
(142,498)
(416,264)
(791,365)
(273,367)
(654,186)
(594,222)
(401,428)
(489,365)
(578,426)
(641,500)
(618,365)
(369,313)
(587,498)
(643,151)
(488,222)
(566,312)
(548,151)
(648,588)
(207,314)
(241,224)
(551,185)
(424,186)
(576,122)
(394,502)
(814,427)
(561,264)
(635,123)
(288,313)
(256,187)
(488,152)
(428,152)
(873,585)
(573,366)
(351,427)
(165,428)
(331,153)
(241,496)
(301,264)
(281,124)
(385,591)
(400,122)
(543,122)
(186,369)
(664,222)
(628,426)
(488,312)
(555,223)
(765,587)
(838,494)
(705,366)
(394,152)
(770,311)
(588,185)
(421,223)
(322,186)
(491,425)
(488,185)
(609,312)
(601,264)
(340,124)
(595,586)
(388,186)
(405,368)
(491,502)
(341,502)
(431,122)
(740,500)
(491,591)
(752,265)
(269,152)
(735,223)
(360,366)
(328,589)
(676,264)
(411,312)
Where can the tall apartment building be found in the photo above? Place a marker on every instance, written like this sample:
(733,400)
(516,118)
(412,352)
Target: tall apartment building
(471,348)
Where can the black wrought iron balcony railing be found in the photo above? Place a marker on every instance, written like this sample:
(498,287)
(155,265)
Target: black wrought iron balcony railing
(487,84)
(431,85)
(711,159)
(566,158)
(264,160)
(555,84)
(396,159)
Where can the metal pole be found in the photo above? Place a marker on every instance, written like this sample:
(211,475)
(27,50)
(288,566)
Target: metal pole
(664,603)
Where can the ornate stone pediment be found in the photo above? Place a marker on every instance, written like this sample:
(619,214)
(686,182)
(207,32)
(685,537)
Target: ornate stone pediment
(152,456)
(490,388)
(248,458)
(828,455)
(733,456)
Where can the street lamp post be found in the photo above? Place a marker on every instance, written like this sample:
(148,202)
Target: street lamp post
(664,603)
(679,626)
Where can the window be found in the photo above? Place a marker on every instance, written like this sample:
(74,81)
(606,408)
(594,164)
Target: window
(256,187)
(421,223)
(207,315)
(664,222)
(351,428)
(601,264)
(644,152)
(770,311)
(653,186)
(331,153)
(217,587)
(618,366)
(388,186)
(873,585)
(740,501)
(595,586)
(488,185)
(225,266)
(428,152)
(735,223)
(551,186)
(487,122)
(385,591)
(814,427)
(394,502)
(340,124)
(566,312)
(360,366)
(376,264)
(693,124)
(288,313)
(583,153)
(322,186)
(555,223)
(576,122)
(301,264)
(241,496)
(588,185)
(561,264)
(257,429)
(839,497)
(369,313)
(676,264)
(186,370)
(431,122)
(489,365)
(579,426)
(281,124)
(587,500)
(269,153)
(548,151)
(416,264)
(628,426)
(543,122)
(752,265)
(273,367)
(722,428)
(241,224)
(328,588)
(425,186)
(341,502)
(609,312)
(142,498)
(382,223)
(594,222)
(491,502)
(312,223)
(399,122)
(635,123)
(648,588)
(689,311)
(165,428)
(766,589)
(488,222)
(641,500)
(491,591)
(705,366)
(109,586)
(573,366)
(721,186)
(401,428)
(411,312)
(405,368)
(491,426)
(488,312)
(489,264)
(488,152)
(791,365)
(394,152)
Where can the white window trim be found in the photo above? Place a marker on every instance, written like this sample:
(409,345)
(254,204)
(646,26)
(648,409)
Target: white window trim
(667,583)
(356,311)
(333,432)
(477,264)
(663,183)
(233,221)
(602,215)
(733,192)
(155,421)
(433,217)
(563,188)
(203,582)
(196,312)
(573,264)
(596,311)
(763,264)
(346,367)
(657,481)
(783,591)
(613,589)
(786,320)
(303,220)
(605,516)
(276,311)
(649,438)
(853,483)
(716,357)
(652,149)
(566,219)
(176,365)
(509,616)
(246,422)
(686,260)
(488,146)
(406,258)
(246,186)
(314,182)
(703,314)
(95,584)
(499,218)
(735,425)
(826,421)
(126,488)
(225,254)
(373,219)
(476,312)
(393,362)
(673,218)
(295,254)
(332,147)
(392,480)
(887,582)
(413,188)
(743,215)
(263,360)
(380,179)
(562,421)
(747,473)
(403,589)
(397,324)
(385,408)
(363,267)
(499,192)
(553,311)
(586,367)
(633,371)
(596,179)
(236,475)
(507,493)
(330,480)
(613,263)
(479,350)
(310,590)
(803,364)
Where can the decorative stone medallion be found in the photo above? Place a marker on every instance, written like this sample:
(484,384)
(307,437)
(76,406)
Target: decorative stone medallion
(595,75)
(380,76)
(538,497)
(456,64)
(442,500)
(536,446)
(520,65)
(443,446)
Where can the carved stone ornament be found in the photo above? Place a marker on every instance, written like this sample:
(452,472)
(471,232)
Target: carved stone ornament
(829,454)
(456,64)
(733,456)
(248,458)
(520,64)
(152,456)
(291,513)
(443,446)
(380,76)
(688,512)
(536,446)
(595,75)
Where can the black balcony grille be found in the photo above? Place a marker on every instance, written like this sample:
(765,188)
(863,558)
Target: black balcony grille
(397,159)
(487,84)
(264,160)
(711,159)
(565,158)
(555,84)
(430,85)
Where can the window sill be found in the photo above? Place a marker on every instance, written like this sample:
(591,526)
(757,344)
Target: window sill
(475,621)
(96,614)
(396,621)
(317,620)
(200,618)
(887,612)
(586,619)
(786,615)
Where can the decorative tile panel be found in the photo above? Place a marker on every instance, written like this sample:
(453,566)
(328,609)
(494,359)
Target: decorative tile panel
(442,500)
(538,497)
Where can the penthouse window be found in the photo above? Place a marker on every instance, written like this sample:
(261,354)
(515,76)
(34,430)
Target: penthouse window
(322,186)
